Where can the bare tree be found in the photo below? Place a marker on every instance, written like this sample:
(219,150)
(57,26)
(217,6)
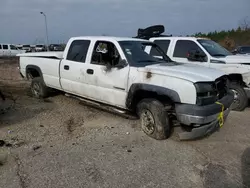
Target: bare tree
(245,23)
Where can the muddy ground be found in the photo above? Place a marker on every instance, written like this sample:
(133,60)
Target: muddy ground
(60,143)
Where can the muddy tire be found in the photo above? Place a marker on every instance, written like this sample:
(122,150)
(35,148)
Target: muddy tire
(154,119)
(240,97)
(38,88)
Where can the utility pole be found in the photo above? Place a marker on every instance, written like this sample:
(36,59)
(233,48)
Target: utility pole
(47,36)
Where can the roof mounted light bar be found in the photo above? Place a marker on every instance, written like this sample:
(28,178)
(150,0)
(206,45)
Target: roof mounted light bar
(152,31)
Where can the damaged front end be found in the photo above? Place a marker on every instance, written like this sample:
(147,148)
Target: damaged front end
(246,80)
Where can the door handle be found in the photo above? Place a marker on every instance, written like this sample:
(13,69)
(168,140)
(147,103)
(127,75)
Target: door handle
(90,71)
(66,67)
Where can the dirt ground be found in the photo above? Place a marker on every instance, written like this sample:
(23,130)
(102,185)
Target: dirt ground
(60,143)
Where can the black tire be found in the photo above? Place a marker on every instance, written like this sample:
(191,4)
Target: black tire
(38,88)
(241,99)
(154,119)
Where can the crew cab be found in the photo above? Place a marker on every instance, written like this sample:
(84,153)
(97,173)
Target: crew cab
(205,52)
(117,74)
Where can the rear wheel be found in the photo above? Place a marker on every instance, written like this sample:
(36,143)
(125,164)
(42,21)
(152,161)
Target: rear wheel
(240,97)
(154,119)
(38,88)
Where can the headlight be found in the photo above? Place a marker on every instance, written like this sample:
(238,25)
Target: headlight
(206,93)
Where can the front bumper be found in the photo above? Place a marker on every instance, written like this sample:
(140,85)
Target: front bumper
(202,120)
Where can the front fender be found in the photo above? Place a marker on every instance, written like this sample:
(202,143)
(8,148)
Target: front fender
(173,95)
(246,78)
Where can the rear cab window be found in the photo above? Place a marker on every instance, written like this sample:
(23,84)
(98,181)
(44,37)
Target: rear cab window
(78,50)
(163,44)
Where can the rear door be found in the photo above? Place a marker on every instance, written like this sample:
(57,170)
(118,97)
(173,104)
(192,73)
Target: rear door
(13,50)
(73,68)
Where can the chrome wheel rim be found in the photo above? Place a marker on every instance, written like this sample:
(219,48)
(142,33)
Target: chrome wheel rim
(148,122)
(236,98)
(36,89)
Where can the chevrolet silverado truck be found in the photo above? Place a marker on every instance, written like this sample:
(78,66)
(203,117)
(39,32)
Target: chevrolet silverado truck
(117,74)
(204,52)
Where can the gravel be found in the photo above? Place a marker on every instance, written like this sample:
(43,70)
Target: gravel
(58,142)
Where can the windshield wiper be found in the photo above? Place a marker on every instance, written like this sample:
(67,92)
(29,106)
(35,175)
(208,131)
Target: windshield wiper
(218,55)
(147,60)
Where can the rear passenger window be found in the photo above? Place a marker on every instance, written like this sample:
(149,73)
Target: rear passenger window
(182,48)
(163,44)
(78,50)
(5,47)
(0,46)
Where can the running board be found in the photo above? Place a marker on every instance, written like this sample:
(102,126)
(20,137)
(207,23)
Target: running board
(103,107)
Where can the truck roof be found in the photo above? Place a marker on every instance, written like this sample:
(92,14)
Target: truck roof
(107,38)
(179,38)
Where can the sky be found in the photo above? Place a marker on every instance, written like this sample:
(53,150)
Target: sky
(21,21)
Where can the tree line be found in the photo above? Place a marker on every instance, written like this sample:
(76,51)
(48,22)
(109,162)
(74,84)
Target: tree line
(230,38)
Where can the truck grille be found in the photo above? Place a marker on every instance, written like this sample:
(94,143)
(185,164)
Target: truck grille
(221,86)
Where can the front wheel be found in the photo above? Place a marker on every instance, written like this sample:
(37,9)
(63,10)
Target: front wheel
(154,119)
(240,97)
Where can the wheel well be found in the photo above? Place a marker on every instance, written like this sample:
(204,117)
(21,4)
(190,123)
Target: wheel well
(142,94)
(236,78)
(32,72)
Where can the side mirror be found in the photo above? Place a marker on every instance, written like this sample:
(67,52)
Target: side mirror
(234,52)
(196,55)
(121,64)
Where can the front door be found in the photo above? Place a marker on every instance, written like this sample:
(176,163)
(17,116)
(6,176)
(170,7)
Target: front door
(107,83)
(181,50)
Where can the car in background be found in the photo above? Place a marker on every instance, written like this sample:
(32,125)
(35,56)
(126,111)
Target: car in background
(27,47)
(56,47)
(19,46)
(40,48)
(242,50)
(9,50)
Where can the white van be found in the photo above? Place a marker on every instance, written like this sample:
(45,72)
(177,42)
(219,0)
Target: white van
(8,50)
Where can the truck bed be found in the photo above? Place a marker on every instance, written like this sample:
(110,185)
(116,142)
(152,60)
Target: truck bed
(47,62)
(57,55)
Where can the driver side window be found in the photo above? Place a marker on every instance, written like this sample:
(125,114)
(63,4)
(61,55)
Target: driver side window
(12,47)
(183,47)
(105,53)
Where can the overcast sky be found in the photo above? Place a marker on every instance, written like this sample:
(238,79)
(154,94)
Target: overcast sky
(21,21)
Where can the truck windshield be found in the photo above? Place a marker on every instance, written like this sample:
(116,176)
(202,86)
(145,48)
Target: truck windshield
(213,48)
(136,54)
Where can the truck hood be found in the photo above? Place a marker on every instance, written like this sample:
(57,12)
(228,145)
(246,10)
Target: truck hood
(193,73)
(236,59)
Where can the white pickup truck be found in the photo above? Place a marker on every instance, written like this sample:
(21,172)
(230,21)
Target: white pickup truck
(205,52)
(9,50)
(116,73)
